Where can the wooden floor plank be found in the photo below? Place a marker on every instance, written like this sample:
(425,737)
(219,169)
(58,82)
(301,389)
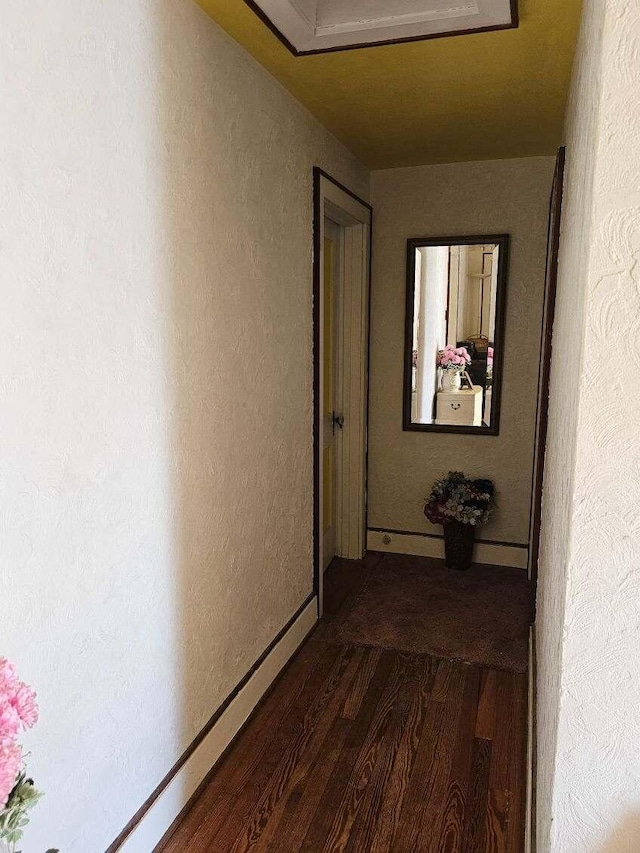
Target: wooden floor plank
(380,812)
(422,813)
(448,672)
(304,800)
(335,793)
(488,704)
(347,811)
(361,684)
(496,821)
(452,828)
(475,820)
(300,752)
(517,763)
(500,795)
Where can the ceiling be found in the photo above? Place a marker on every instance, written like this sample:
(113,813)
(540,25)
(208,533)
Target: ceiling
(478,96)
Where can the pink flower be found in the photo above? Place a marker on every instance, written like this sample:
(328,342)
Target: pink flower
(24,702)
(452,357)
(18,710)
(8,674)
(10,762)
(9,722)
(17,703)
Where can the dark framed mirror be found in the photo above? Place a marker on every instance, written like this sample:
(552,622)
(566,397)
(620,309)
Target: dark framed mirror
(454,333)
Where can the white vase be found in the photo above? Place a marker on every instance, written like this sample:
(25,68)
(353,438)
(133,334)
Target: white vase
(451,380)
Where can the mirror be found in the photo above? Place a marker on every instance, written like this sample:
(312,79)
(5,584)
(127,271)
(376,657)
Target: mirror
(454,333)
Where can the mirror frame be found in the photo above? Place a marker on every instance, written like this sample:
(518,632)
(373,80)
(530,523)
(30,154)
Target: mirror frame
(503,241)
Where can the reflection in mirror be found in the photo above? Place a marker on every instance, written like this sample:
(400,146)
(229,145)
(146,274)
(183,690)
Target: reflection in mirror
(454,301)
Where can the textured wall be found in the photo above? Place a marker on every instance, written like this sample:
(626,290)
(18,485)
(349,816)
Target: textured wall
(155,367)
(505,196)
(588,618)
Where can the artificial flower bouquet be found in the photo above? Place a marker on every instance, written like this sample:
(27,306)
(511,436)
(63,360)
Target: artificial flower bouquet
(458,498)
(453,358)
(18,711)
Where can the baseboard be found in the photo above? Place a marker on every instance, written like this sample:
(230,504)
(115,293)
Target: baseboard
(150,828)
(530,804)
(490,553)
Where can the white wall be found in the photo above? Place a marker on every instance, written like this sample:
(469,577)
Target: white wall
(433,284)
(156,378)
(502,196)
(588,631)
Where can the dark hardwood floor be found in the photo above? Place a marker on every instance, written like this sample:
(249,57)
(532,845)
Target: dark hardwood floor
(369,749)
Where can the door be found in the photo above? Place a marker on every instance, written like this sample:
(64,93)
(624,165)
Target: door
(332,416)
(341,264)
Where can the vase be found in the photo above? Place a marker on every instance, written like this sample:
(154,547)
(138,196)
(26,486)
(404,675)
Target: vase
(451,380)
(458,545)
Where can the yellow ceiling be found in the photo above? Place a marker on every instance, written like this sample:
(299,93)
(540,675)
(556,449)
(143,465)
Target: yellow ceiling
(470,97)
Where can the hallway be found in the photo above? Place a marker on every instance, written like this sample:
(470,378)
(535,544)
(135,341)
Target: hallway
(372,748)
(292,279)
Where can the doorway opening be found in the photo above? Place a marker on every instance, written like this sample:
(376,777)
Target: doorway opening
(342,253)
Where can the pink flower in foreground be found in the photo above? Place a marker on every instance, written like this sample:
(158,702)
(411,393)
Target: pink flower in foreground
(24,702)
(17,703)
(9,721)
(8,674)
(10,762)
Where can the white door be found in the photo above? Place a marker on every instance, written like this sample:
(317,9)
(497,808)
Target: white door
(332,416)
(341,326)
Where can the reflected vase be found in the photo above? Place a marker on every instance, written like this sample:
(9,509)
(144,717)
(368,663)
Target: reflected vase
(451,380)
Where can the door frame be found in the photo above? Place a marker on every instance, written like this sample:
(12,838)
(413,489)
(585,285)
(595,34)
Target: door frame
(333,199)
(548,316)
(537,485)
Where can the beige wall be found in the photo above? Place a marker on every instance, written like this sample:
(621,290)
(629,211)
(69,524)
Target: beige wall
(506,196)
(588,630)
(156,375)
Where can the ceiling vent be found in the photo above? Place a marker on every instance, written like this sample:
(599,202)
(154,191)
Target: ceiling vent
(315,26)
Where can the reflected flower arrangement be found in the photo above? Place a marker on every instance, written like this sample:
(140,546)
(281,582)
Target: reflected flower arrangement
(453,358)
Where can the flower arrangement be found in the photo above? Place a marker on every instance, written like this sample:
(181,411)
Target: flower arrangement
(458,498)
(453,358)
(18,711)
